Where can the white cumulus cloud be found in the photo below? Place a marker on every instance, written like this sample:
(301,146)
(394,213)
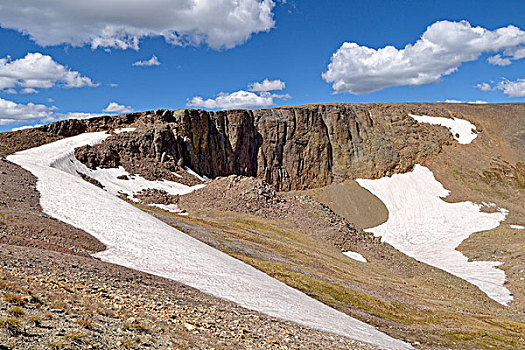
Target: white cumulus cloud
(509,55)
(153,61)
(515,53)
(12,112)
(121,24)
(24,127)
(35,71)
(509,88)
(258,96)
(497,60)
(485,87)
(477,102)
(442,48)
(267,85)
(76,115)
(29,91)
(512,88)
(238,99)
(114,107)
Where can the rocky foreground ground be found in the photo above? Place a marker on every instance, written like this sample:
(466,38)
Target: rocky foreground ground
(53,300)
(55,296)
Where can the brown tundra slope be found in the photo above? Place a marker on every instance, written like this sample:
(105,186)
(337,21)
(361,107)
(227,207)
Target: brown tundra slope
(316,152)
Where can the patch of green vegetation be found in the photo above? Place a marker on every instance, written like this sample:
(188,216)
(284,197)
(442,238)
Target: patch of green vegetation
(76,336)
(16,311)
(12,326)
(57,344)
(264,226)
(333,294)
(485,339)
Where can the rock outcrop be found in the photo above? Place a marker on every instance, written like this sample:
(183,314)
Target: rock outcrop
(290,147)
(295,147)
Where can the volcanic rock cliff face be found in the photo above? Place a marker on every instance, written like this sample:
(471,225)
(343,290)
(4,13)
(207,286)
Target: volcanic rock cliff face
(291,148)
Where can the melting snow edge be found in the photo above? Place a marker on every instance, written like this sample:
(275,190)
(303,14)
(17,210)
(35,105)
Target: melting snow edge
(425,227)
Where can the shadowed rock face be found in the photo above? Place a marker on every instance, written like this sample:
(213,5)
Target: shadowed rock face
(290,148)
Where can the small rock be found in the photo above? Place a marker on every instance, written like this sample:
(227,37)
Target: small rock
(189,326)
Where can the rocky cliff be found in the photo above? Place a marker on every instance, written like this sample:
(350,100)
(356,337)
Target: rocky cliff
(290,147)
(294,147)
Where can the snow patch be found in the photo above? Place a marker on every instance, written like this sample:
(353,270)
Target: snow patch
(488,204)
(517,227)
(172,208)
(139,241)
(462,130)
(355,256)
(423,226)
(118,181)
(190,171)
(121,130)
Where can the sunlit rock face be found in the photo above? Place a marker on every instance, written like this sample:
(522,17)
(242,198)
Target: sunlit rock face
(290,147)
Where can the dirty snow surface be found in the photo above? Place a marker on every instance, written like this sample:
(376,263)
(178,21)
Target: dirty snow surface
(423,226)
(462,130)
(139,241)
(190,171)
(355,256)
(131,185)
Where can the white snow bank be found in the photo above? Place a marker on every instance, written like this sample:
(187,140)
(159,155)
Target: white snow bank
(423,226)
(137,240)
(192,172)
(109,178)
(172,208)
(121,130)
(133,185)
(355,256)
(517,227)
(462,130)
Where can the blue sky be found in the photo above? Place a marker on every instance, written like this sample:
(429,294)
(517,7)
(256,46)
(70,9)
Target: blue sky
(208,47)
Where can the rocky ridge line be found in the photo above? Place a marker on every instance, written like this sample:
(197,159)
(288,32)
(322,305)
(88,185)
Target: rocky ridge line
(290,148)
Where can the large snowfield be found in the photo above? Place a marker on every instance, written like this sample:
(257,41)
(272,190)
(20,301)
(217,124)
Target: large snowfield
(425,227)
(139,241)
